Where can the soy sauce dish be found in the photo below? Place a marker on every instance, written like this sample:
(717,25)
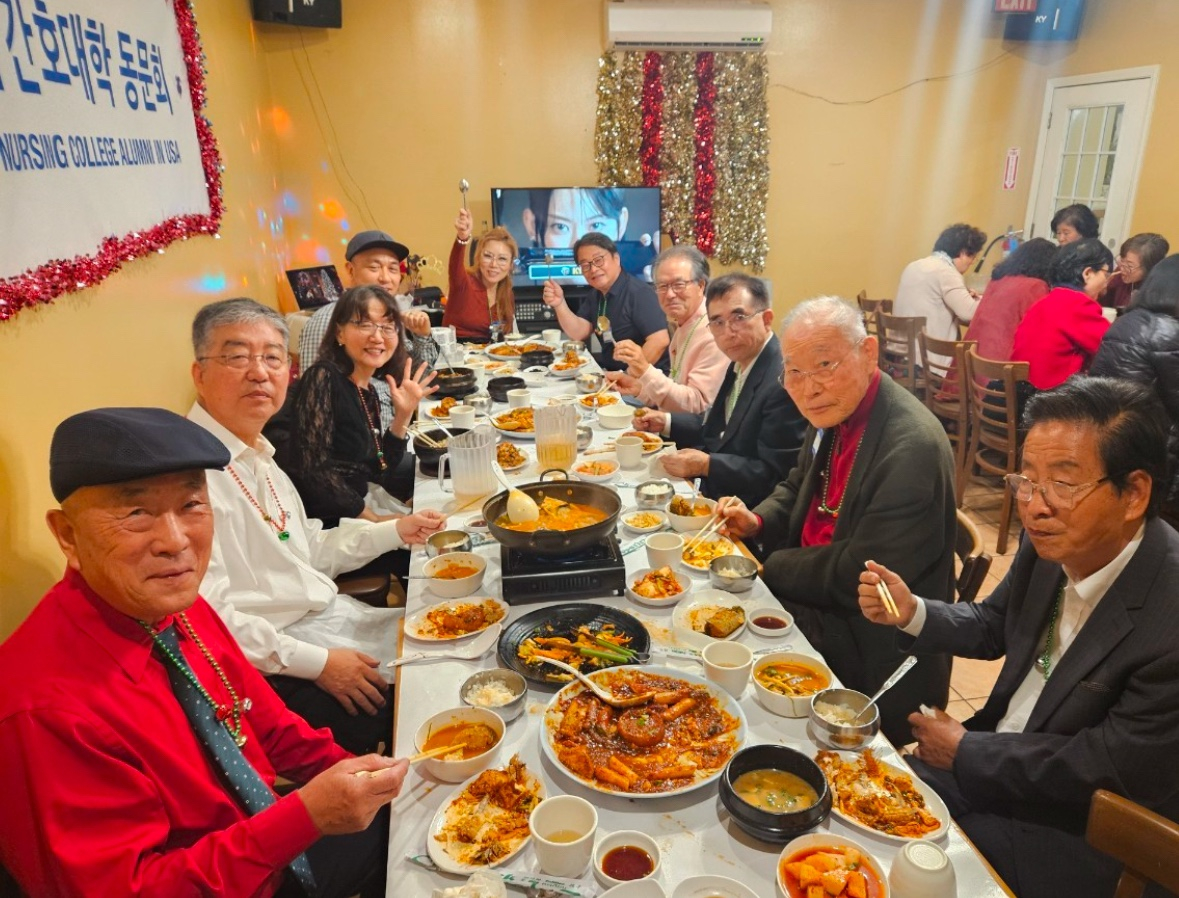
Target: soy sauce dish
(625,856)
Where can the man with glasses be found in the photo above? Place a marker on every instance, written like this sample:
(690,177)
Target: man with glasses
(621,308)
(697,363)
(750,437)
(1086,624)
(270,576)
(874,480)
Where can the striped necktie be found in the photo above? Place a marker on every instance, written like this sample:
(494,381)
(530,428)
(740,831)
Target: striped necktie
(251,790)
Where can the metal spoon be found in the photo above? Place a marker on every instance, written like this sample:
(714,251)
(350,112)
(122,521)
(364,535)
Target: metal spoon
(464,186)
(608,697)
(906,665)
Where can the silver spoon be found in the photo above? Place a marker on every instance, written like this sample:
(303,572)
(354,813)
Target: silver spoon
(464,186)
(906,665)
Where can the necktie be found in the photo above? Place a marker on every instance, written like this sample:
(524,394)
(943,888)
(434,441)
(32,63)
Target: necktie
(250,788)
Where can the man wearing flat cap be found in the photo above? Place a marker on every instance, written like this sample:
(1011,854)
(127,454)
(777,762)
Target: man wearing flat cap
(140,746)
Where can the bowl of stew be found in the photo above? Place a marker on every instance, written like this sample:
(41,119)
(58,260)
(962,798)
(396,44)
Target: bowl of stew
(785,682)
(455,575)
(475,733)
(774,793)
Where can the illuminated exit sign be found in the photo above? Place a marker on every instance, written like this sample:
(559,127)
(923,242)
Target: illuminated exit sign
(1015,5)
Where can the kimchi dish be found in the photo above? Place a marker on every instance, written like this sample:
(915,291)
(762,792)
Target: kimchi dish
(658,584)
(877,795)
(680,736)
(556,514)
(837,871)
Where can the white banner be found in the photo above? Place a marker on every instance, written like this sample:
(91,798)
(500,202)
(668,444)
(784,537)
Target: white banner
(98,137)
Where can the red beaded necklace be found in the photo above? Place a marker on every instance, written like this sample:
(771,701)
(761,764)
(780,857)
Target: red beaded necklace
(280,526)
(372,426)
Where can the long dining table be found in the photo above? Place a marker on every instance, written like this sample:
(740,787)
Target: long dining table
(693,830)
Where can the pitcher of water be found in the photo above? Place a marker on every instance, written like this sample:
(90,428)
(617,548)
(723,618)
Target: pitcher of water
(556,436)
(470,455)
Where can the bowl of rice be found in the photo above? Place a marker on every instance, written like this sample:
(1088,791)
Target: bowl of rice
(501,690)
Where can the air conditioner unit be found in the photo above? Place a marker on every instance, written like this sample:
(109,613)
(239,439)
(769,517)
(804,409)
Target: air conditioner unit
(719,25)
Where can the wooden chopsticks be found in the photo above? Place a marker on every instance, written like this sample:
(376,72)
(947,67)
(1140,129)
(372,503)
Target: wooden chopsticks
(436,752)
(886,598)
(715,522)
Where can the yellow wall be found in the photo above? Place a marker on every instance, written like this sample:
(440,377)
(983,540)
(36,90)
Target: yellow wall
(374,125)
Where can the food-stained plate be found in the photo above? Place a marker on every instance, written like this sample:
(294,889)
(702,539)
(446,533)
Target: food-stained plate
(690,616)
(431,621)
(933,801)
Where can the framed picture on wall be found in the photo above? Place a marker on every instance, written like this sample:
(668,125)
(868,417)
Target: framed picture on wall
(315,287)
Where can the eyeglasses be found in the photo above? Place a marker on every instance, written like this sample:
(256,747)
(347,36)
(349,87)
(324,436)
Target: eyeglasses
(673,287)
(499,260)
(1128,267)
(1061,496)
(388,331)
(823,374)
(590,264)
(240,360)
(733,322)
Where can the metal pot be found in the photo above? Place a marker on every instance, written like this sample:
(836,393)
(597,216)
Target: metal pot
(556,542)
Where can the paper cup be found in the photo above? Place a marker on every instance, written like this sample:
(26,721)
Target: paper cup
(463,416)
(664,549)
(519,398)
(629,451)
(728,664)
(563,829)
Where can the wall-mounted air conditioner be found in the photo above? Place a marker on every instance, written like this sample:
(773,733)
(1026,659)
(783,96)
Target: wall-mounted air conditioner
(719,25)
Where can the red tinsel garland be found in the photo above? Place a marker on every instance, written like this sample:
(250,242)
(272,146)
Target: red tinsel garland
(705,120)
(652,119)
(58,276)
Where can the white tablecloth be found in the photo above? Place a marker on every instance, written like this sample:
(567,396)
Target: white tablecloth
(694,832)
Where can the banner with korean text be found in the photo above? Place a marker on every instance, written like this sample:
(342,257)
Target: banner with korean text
(105,154)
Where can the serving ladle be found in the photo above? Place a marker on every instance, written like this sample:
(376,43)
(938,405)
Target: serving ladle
(522,508)
(608,697)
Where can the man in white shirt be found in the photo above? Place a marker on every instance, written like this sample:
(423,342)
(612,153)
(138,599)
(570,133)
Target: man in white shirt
(697,363)
(932,288)
(1088,696)
(270,577)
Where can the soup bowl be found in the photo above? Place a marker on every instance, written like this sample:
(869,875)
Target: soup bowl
(774,826)
(788,705)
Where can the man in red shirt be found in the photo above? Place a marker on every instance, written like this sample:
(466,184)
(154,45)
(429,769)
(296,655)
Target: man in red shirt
(140,747)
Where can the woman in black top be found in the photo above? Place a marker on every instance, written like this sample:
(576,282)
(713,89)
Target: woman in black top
(336,446)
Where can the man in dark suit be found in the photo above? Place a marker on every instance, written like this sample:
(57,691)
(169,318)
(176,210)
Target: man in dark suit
(1088,696)
(875,479)
(750,437)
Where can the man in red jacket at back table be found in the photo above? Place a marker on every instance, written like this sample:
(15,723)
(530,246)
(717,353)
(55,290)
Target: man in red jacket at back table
(140,747)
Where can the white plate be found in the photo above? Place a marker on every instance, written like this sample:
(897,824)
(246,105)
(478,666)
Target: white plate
(649,446)
(726,702)
(438,854)
(709,886)
(703,571)
(689,610)
(684,582)
(933,804)
(636,510)
(567,373)
(417,627)
(596,478)
(517,467)
(434,408)
(518,434)
(540,344)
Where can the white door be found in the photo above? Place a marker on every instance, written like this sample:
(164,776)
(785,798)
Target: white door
(1090,149)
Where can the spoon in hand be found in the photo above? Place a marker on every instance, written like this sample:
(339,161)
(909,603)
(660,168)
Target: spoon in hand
(464,186)
(906,665)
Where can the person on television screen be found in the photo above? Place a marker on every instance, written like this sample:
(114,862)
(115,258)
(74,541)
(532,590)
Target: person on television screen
(557,219)
(621,307)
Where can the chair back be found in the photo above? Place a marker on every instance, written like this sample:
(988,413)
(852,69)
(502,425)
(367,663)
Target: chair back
(976,563)
(870,308)
(898,349)
(1146,843)
(942,363)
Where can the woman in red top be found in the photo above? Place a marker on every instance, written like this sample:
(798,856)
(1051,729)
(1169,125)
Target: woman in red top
(1016,284)
(480,295)
(1060,334)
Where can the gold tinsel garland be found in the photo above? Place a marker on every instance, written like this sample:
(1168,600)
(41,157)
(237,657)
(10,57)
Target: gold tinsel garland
(741,146)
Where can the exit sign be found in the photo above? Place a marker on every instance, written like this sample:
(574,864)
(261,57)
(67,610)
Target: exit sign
(1015,5)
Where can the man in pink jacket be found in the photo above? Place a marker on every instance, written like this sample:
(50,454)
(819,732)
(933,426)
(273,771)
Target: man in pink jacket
(697,363)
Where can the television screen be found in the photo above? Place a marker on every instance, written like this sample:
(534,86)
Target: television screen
(547,221)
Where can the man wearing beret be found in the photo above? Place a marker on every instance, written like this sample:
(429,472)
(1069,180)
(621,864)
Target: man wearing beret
(140,746)
(270,577)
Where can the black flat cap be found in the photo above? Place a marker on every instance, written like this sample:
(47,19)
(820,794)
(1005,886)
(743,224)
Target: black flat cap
(375,240)
(114,445)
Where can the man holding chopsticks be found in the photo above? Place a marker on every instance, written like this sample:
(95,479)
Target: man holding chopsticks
(874,480)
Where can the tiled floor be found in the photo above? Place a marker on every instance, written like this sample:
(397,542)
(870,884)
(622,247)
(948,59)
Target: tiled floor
(972,680)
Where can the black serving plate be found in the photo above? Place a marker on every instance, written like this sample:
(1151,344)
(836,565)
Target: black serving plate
(563,620)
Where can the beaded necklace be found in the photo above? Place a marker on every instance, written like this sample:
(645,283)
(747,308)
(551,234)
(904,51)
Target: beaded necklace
(280,526)
(1044,662)
(372,426)
(825,501)
(678,362)
(230,717)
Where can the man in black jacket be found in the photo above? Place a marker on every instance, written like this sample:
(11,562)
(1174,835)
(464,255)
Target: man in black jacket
(751,436)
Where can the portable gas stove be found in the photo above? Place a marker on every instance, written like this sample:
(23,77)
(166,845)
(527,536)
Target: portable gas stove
(593,572)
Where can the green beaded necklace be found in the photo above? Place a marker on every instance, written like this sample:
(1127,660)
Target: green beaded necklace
(1044,662)
(230,717)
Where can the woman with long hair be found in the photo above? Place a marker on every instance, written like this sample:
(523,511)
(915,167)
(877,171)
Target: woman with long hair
(480,295)
(335,446)
(1143,346)
(1016,284)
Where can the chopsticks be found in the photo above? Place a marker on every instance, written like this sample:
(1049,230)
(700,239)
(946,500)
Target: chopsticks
(435,752)
(420,435)
(715,522)
(886,598)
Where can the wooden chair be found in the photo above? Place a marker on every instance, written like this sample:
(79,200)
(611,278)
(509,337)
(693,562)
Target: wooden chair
(898,350)
(994,427)
(870,308)
(1146,843)
(943,392)
(968,546)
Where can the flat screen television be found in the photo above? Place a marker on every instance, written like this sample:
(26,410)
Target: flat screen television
(547,221)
